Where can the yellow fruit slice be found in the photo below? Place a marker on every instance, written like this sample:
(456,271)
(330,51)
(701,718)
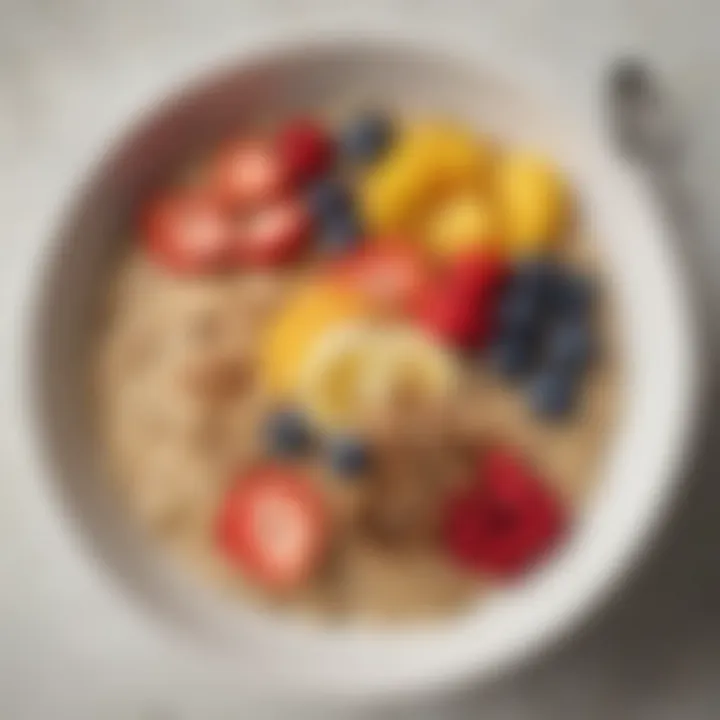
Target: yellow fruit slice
(460,224)
(429,161)
(393,194)
(332,379)
(534,203)
(459,159)
(358,370)
(409,367)
(306,316)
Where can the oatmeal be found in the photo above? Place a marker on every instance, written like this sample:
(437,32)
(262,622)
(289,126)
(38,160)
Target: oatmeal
(366,375)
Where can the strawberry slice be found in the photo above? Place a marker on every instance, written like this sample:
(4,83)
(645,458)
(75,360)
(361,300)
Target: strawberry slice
(273,526)
(392,277)
(248,172)
(274,235)
(306,149)
(187,232)
(506,521)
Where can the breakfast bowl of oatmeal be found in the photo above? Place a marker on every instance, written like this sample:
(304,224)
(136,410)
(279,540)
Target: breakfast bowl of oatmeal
(359,354)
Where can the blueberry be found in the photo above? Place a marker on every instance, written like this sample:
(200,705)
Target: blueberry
(518,311)
(349,456)
(574,296)
(511,356)
(366,138)
(328,199)
(288,433)
(552,394)
(340,234)
(535,278)
(569,345)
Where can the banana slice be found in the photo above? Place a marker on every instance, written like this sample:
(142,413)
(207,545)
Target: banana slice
(359,370)
(409,367)
(298,327)
(333,378)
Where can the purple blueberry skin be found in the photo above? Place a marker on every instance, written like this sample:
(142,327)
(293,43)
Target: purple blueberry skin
(288,434)
(327,199)
(570,345)
(574,296)
(340,234)
(553,394)
(512,356)
(517,312)
(366,138)
(349,456)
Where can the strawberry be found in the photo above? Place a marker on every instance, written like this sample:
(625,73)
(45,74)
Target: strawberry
(187,232)
(273,525)
(247,173)
(392,277)
(275,234)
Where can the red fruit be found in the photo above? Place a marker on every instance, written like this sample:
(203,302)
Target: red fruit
(505,522)
(450,321)
(477,276)
(397,241)
(306,148)
(485,326)
(187,232)
(248,172)
(392,277)
(461,309)
(453,320)
(274,235)
(273,525)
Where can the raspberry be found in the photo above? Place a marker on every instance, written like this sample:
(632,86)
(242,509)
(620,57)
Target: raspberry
(462,308)
(506,521)
(477,277)
(447,316)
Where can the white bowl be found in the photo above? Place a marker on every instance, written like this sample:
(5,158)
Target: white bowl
(639,472)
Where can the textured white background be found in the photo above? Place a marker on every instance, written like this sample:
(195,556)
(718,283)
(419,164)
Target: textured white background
(71,71)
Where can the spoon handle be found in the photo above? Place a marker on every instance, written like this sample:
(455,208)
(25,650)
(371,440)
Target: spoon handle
(641,115)
(646,130)
(648,133)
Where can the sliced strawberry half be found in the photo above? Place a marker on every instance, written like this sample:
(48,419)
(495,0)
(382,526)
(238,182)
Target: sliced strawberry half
(247,173)
(506,521)
(273,525)
(392,277)
(187,232)
(275,234)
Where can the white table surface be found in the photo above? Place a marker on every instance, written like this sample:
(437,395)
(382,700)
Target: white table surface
(71,71)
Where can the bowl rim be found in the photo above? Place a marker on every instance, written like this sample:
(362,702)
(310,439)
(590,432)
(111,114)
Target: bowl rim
(678,288)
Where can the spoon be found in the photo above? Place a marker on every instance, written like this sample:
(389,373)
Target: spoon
(646,131)
(641,116)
